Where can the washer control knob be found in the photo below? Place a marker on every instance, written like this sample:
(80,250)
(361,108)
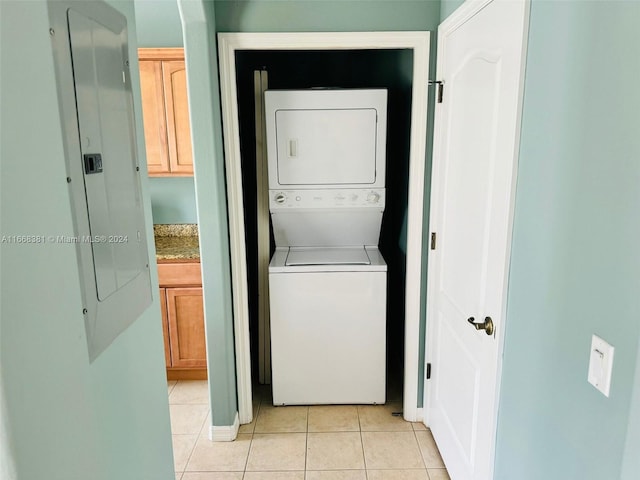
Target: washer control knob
(280,198)
(373,197)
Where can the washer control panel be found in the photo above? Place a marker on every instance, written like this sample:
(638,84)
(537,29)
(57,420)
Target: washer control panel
(327,198)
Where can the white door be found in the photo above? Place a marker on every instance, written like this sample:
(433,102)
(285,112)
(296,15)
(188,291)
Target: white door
(480,61)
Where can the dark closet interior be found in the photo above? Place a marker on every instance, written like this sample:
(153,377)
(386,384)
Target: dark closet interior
(391,69)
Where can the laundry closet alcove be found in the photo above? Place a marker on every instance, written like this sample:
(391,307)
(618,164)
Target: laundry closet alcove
(397,61)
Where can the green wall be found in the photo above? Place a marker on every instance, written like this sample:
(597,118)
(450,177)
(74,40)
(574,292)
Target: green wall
(575,268)
(631,461)
(158,23)
(63,417)
(173,199)
(198,19)
(447,7)
(325,15)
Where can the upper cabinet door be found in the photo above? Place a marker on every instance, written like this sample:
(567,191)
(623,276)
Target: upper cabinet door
(153,113)
(177,109)
(165,110)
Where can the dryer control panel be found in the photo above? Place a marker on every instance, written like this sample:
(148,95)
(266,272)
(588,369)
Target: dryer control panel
(327,198)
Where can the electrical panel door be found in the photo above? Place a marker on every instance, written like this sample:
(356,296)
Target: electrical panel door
(107,134)
(92,68)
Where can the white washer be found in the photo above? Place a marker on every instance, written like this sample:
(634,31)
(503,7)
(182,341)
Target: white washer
(328,325)
(327,279)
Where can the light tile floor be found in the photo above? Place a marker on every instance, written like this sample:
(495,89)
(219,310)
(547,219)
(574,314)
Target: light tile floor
(363,442)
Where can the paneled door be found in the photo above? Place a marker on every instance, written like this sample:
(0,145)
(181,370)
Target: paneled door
(186,327)
(177,104)
(480,63)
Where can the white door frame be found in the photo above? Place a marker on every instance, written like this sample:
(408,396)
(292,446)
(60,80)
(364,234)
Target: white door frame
(228,44)
(465,12)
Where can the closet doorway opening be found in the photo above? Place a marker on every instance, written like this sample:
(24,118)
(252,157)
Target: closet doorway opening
(397,61)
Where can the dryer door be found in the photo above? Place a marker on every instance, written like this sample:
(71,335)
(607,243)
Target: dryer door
(320,147)
(328,138)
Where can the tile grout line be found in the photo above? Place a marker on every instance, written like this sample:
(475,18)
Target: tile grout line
(189,456)
(172,387)
(415,435)
(364,457)
(195,443)
(306,443)
(172,434)
(197,435)
(253,432)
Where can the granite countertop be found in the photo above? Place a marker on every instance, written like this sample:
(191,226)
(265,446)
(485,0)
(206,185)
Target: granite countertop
(177,242)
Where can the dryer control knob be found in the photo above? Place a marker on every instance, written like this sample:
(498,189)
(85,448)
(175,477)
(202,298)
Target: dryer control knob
(373,197)
(280,198)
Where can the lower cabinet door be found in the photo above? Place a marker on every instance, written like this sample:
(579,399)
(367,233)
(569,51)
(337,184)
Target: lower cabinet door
(186,327)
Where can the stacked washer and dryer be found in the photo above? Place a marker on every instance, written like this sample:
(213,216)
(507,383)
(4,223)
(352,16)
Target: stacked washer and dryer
(327,279)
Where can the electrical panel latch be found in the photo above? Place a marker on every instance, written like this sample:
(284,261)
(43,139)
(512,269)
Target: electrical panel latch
(92,163)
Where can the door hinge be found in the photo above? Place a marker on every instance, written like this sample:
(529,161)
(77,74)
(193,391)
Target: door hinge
(433,240)
(428,371)
(440,92)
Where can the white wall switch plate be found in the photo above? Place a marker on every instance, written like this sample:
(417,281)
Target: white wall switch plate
(600,364)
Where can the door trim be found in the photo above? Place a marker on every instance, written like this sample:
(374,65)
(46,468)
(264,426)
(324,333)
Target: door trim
(228,44)
(464,13)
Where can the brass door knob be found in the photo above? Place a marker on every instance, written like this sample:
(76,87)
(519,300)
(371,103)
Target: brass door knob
(487,325)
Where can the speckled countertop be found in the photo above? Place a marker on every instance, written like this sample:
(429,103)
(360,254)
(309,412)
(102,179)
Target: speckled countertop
(177,242)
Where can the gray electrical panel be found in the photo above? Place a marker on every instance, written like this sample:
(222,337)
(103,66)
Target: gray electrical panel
(94,86)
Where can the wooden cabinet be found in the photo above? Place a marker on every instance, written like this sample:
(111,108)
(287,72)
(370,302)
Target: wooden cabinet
(165,111)
(183,320)
(186,327)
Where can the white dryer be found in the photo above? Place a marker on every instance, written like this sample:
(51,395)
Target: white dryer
(327,279)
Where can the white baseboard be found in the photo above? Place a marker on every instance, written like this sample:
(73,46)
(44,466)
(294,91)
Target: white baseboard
(225,433)
(420,415)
